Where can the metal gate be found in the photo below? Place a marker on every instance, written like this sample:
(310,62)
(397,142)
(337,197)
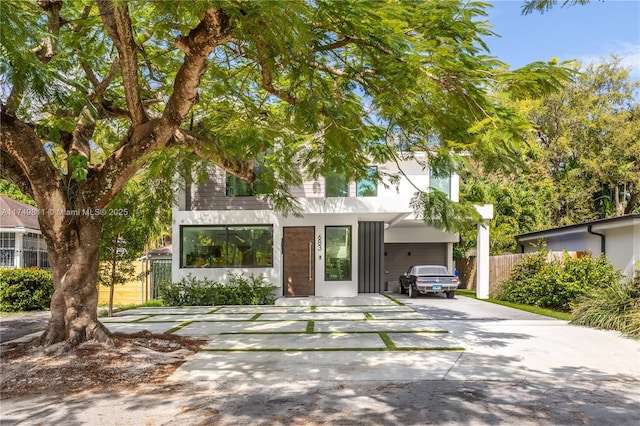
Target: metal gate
(160,273)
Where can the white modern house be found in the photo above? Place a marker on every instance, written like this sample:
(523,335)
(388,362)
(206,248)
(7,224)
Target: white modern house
(21,242)
(617,237)
(352,237)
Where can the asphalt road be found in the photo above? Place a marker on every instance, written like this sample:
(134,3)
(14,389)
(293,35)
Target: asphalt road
(14,326)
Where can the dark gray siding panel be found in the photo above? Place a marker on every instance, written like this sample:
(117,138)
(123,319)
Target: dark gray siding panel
(370,257)
(211,195)
(400,256)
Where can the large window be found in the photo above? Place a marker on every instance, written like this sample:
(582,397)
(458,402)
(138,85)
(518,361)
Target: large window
(226,246)
(7,249)
(34,251)
(441,182)
(336,185)
(368,186)
(337,256)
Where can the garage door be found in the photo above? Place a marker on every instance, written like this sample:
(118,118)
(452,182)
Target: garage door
(400,256)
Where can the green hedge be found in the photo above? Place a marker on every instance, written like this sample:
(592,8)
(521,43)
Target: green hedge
(558,283)
(25,290)
(239,290)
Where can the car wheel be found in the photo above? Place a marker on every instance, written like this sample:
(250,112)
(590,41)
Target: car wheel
(412,292)
(451,294)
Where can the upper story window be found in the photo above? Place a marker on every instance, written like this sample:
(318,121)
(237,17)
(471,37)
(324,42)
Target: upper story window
(368,186)
(237,187)
(441,182)
(336,185)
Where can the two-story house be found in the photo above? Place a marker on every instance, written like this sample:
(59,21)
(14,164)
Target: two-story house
(352,237)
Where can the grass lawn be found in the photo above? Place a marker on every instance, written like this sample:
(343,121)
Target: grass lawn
(533,309)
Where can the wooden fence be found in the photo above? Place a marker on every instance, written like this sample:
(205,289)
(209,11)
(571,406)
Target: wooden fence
(500,268)
(131,292)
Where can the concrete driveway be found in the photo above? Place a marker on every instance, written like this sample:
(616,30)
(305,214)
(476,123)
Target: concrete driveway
(370,360)
(430,338)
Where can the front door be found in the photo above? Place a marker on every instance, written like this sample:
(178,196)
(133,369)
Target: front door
(299,261)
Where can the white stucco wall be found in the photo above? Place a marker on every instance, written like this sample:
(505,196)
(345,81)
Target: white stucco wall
(622,242)
(274,273)
(235,217)
(577,241)
(392,205)
(623,248)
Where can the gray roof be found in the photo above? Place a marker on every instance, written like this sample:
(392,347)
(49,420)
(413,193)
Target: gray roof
(582,227)
(162,251)
(14,214)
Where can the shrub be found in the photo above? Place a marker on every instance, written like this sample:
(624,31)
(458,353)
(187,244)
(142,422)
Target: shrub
(613,307)
(189,291)
(239,290)
(556,284)
(25,290)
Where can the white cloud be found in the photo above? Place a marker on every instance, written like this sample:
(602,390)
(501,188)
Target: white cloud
(629,54)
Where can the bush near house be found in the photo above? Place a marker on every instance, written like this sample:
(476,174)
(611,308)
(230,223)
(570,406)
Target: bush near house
(612,307)
(26,289)
(239,290)
(557,283)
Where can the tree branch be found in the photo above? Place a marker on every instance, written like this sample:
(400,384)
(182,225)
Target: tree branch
(46,49)
(11,171)
(211,149)
(634,198)
(335,45)
(267,84)
(24,160)
(148,136)
(117,21)
(212,31)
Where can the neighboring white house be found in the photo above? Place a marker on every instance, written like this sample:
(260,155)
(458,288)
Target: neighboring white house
(21,242)
(352,237)
(618,238)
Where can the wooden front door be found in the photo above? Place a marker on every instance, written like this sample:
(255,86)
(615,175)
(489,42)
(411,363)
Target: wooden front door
(299,261)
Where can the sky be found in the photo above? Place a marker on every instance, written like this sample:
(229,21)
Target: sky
(584,32)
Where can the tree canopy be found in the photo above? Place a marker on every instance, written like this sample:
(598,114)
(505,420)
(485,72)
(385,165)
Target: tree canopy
(94,90)
(321,86)
(589,133)
(582,164)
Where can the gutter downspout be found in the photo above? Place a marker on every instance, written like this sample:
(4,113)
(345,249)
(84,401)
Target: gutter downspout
(602,239)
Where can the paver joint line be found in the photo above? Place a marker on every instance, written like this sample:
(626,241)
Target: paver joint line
(337,333)
(355,349)
(505,365)
(178,327)
(142,319)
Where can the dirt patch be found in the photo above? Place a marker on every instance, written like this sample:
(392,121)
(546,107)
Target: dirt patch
(137,360)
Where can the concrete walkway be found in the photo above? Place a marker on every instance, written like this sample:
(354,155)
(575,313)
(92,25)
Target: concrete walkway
(370,360)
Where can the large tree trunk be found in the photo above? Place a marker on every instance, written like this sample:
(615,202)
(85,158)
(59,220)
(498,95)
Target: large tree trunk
(72,233)
(74,258)
(633,199)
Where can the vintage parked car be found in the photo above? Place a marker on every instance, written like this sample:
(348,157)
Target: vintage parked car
(423,279)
